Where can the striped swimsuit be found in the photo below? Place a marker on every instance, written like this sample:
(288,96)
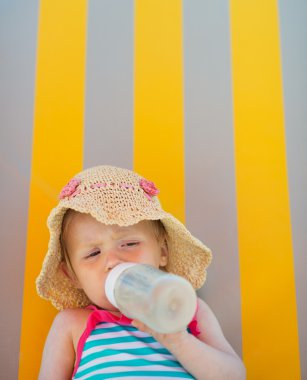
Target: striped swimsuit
(110,348)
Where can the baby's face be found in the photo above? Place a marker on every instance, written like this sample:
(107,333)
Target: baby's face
(95,248)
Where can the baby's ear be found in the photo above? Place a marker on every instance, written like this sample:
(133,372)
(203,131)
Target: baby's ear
(68,272)
(164,254)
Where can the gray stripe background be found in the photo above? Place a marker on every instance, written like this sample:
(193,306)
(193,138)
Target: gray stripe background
(293,32)
(209,156)
(18,31)
(109,84)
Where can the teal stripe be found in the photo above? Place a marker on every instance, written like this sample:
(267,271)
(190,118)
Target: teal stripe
(103,330)
(132,351)
(128,364)
(162,374)
(121,339)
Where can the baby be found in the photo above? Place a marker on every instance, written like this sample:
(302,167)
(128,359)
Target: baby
(107,216)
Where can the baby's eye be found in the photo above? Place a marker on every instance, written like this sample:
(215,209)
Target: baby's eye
(130,244)
(93,254)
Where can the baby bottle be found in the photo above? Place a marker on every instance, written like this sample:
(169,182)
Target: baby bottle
(164,302)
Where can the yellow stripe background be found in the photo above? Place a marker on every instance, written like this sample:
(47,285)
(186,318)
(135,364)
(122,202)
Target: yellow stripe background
(158,99)
(57,152)
(269,320)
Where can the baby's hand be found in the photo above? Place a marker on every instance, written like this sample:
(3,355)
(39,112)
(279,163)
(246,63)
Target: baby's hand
(170,341)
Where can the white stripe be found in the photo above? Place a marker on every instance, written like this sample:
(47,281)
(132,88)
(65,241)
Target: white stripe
(125,356)
(122,346)
(101,325)
(117,334)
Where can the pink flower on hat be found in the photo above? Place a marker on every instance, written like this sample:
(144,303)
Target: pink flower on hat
(149,188)
(70,188)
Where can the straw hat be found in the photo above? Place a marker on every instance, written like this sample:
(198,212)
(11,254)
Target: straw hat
(116,196)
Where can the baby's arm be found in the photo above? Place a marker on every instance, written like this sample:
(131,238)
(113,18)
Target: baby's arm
(59,354)
(207,357)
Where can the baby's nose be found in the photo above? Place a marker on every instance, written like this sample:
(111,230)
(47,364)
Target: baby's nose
(112,259)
